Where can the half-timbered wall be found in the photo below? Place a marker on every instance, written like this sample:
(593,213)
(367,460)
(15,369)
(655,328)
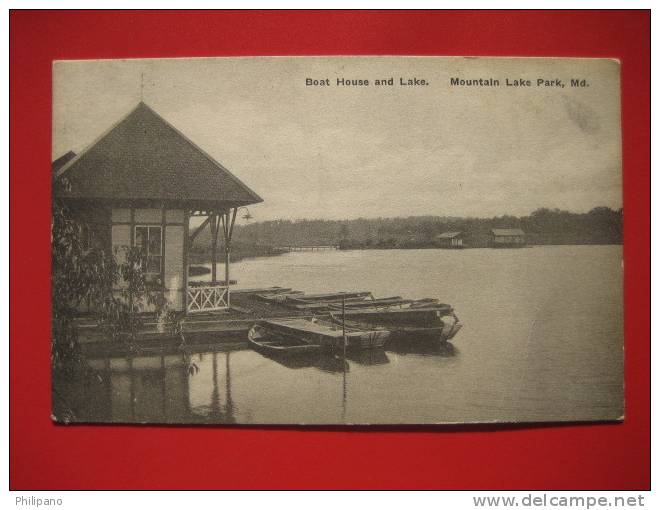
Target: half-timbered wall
(173,230)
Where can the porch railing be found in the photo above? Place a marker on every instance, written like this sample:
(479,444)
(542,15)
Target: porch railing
(207,298)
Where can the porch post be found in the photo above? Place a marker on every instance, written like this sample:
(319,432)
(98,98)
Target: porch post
(214,244)
(227,256)
(186,247)
(228,219)
(227,249)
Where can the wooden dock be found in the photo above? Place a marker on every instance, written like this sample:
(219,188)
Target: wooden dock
(308,248)
(221,326)
(231,325)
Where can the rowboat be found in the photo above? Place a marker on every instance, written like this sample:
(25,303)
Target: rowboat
(426,303)
(263,341)
(299,304)
(329,297)
(395,301)
(277,297)
(433,323)
(324,334)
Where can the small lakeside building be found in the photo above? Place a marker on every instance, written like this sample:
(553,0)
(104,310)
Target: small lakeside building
(139,185)
(507,238)
(450,240)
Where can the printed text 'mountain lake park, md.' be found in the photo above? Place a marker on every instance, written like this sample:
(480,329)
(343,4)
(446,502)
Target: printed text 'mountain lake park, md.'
(520,82)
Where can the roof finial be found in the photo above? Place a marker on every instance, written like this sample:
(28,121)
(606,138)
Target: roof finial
(142,87)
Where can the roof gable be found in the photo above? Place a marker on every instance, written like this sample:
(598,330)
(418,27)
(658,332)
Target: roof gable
(143,157)
(449,235)
(62,160)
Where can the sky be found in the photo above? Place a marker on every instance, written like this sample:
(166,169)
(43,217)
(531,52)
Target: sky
(343,152)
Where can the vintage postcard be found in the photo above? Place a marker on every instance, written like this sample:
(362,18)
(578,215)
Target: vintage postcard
(337,240)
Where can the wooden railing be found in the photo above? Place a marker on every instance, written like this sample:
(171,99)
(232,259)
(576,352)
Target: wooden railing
(207,298)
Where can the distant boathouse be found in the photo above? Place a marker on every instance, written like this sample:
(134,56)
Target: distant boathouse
(507,238)
(450,240)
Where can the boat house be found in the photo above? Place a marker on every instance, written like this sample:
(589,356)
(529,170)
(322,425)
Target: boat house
(139,185)
(507,237)
(450,240)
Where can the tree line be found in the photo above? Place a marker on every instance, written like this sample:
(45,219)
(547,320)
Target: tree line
(600,225)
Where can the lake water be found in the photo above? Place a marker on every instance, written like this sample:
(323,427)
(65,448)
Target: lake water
(542,341)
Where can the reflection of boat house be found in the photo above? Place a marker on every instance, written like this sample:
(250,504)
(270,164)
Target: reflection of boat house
(138,185)
(450,240)
(165,388)
(507,237)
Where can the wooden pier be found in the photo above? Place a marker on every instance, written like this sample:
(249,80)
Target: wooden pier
(308,248)
(248,306)
(220,326)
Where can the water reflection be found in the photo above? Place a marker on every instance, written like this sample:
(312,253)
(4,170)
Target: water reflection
(516,358)
(197,387)
(441,349)
(325,362)
(163,388)
(217,411)
(368,357)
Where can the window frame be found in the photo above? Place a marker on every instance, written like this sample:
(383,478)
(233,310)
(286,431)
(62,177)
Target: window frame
(153,277)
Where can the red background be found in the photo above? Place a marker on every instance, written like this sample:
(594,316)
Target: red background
(45,456)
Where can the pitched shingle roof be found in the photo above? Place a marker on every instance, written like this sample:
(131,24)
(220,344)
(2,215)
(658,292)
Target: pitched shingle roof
(143,157)
(507,232)
(62,160)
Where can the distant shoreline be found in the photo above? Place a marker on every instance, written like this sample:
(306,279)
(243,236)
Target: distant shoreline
(200,260)
(413,246)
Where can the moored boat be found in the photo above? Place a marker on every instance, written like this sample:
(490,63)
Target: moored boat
(261,340)
(439,323)
(394,301)
(330,297)
(325,334)
(299,304)
(277,297)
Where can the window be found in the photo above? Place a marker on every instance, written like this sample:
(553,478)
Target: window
(149,241)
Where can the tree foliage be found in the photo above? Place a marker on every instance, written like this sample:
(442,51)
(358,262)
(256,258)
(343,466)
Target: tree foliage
(79,276)
(111,286)
(601,225)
